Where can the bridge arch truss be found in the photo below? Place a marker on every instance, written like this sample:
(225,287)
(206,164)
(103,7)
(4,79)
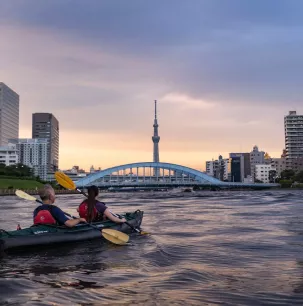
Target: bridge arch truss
(148,173)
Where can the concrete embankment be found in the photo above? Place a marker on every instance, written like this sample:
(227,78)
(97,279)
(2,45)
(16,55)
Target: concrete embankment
(6,192)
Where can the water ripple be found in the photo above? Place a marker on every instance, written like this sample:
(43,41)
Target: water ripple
(206,248)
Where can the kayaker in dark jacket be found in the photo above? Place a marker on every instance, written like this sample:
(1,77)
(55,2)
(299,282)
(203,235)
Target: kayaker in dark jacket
(93,210)
(47,213)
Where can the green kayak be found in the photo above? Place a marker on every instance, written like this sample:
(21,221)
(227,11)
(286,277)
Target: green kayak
(48,235)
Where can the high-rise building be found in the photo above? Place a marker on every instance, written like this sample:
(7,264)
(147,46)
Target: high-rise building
(46,126)
(33,153)
(156,139)
(9,114)
(293,125)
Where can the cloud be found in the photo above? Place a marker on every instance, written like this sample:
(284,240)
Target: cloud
(183,101)
(224,73)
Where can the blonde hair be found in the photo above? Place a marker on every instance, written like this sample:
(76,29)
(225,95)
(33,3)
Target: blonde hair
(45,192)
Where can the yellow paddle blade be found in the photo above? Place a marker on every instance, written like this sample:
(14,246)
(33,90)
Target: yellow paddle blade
(24,195)
(115,236)
(64,180)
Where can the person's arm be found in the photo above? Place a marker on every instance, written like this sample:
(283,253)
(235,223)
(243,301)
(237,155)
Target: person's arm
(59,215)
(111,217)
(74,222)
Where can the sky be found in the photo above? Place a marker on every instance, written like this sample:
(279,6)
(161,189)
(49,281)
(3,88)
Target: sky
(224,73)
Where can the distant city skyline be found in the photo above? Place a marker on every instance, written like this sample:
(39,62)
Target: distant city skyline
(224,77)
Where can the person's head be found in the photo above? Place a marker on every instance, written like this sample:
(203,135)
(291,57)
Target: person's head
(47,194)
(92,191)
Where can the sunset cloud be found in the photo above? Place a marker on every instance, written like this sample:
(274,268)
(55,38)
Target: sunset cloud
(224,75)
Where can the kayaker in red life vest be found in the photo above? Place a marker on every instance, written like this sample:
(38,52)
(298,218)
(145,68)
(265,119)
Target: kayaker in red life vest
(47,213)
(93,210)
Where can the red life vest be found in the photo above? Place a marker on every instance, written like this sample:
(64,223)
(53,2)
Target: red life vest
(83,211)
(44,216)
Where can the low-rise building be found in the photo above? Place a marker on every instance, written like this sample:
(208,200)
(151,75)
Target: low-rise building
(8,155)
(256,157)
(279,164)
(264,173)
(219,168)
(267,159)
(210,167)
(237,167)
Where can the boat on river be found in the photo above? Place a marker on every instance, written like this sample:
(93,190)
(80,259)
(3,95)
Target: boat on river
(50,235)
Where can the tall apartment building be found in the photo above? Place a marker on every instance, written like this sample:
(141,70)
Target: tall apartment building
(9,114)
(33,153)
(46,126)
(256,157)
(293,125)
(8,155)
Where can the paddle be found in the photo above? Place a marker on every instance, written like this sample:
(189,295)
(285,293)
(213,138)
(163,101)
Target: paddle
(112,235)
(23,195)
(66,182)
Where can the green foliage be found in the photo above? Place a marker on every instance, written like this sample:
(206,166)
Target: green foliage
(18,170)
(285,183)
(287,174)
(299,177)
(19,176)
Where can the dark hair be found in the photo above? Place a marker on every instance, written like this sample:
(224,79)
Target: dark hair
(91,201)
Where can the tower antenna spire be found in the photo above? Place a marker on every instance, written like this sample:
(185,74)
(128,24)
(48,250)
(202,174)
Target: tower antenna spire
(156,139)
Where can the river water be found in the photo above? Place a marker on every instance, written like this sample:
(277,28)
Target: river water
(205,248)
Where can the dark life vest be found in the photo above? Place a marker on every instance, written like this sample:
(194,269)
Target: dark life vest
(44,216)
(83,212)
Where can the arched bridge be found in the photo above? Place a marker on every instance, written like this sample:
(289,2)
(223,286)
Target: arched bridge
(151,174)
